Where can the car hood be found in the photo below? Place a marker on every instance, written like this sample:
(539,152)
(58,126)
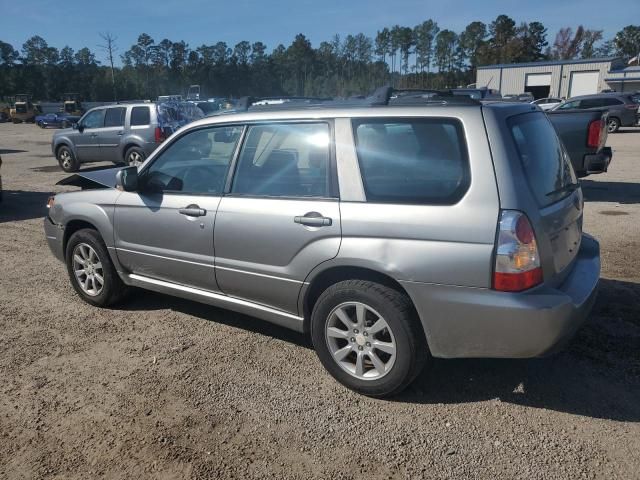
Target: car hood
(90,180)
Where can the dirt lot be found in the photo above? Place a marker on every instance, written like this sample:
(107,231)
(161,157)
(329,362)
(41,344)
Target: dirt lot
(165,388)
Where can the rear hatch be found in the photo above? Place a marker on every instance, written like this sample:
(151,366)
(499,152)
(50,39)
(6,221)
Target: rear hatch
(557,220)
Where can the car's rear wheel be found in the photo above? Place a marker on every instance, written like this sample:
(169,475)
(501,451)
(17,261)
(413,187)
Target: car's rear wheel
(67,160)
(368,337)
(134,157)
(91,271)
(613,125)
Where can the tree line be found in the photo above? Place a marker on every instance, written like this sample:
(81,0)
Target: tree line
(424,56)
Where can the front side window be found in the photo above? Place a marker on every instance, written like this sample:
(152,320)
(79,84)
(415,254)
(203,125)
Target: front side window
(114,117)
(412,161)
(196,163)
(593,103)
(94,119)
(569,105)
(140,116)
(284,160)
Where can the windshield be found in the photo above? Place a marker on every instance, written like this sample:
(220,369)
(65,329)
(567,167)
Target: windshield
(544,158)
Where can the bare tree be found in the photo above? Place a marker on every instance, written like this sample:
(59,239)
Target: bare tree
(110,47)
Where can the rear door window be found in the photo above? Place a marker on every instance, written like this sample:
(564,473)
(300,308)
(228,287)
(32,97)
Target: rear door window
(284,160)
(413,160)
(140,116)
(609,102)
(544,159)
(114,117)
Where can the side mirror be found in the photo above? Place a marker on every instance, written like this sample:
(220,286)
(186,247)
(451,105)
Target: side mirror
(127,179)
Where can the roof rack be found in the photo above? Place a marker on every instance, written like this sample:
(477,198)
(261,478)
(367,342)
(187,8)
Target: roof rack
(382,96)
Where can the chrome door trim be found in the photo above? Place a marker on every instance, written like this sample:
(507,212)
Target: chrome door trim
(246,272)
(263,312)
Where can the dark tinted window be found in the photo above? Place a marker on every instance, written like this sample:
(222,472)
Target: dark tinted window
(546,163)
(114,117)
(94,119)
(196,163)
(592,102)
(420,161)
(140,116)
(608,102)
(284,160)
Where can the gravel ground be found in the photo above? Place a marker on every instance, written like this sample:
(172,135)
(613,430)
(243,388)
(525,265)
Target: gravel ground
(166,388)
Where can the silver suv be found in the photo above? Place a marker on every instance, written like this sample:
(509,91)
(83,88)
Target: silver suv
(389,234)
(122,133)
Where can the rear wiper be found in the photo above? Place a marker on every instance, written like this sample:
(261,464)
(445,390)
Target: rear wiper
(570,187)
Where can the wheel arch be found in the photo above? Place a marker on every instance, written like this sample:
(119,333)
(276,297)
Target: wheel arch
(130,144)
(323,279)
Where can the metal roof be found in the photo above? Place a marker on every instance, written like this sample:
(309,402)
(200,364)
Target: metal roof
(549,63)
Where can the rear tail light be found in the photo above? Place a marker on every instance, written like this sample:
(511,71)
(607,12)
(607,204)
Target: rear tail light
(596,128)
(631,106)
(159,134)
(517,260)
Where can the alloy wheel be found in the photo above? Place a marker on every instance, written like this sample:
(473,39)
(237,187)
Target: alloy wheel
(65,158)
(135,159)
(360,341)
(87,268)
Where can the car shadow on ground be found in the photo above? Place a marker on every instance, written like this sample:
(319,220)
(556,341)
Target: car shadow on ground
(596,375)
(7,151)
(22,205)
(146,300)
(618,192)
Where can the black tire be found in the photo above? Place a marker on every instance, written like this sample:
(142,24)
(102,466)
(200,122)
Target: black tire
(613,125)
(132,154)
(67,160)
(40,124)
(411,347)
(113,289)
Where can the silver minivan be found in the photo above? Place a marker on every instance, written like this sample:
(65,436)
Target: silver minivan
(389,234)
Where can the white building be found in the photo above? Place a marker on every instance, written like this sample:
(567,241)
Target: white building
(560,78)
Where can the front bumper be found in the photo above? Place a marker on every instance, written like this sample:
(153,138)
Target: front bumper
(55,237)
(479,322)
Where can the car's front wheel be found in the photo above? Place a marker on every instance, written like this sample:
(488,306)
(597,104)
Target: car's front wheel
(67,160)
(91,271)
(368,337)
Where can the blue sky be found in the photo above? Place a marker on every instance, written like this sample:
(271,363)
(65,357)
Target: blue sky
(77,23)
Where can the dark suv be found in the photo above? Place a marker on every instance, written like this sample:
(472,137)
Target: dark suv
(623,108)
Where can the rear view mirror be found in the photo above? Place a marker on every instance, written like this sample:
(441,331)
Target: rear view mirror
(127,179)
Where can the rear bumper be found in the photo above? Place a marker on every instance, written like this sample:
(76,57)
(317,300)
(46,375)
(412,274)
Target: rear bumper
(55,238)
(479,322)
(599,162)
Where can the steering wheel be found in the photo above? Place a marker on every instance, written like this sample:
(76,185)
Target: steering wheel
(197,179)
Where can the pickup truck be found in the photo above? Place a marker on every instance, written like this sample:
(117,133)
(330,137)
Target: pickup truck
(58,120)
(584,135)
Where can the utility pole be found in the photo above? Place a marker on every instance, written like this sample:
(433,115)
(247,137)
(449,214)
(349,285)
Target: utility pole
(110,47)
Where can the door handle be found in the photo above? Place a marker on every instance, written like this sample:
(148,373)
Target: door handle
(313,219)
(193,211)
(93,135)
(120,134)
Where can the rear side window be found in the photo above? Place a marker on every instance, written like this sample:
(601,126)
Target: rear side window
(412,161)
(544,159)
(114,117)
(140,116)
(612,101)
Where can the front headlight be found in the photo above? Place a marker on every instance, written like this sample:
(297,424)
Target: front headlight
(51,202)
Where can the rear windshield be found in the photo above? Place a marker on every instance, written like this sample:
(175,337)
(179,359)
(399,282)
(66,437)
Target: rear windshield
(545,161)
(412,161)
